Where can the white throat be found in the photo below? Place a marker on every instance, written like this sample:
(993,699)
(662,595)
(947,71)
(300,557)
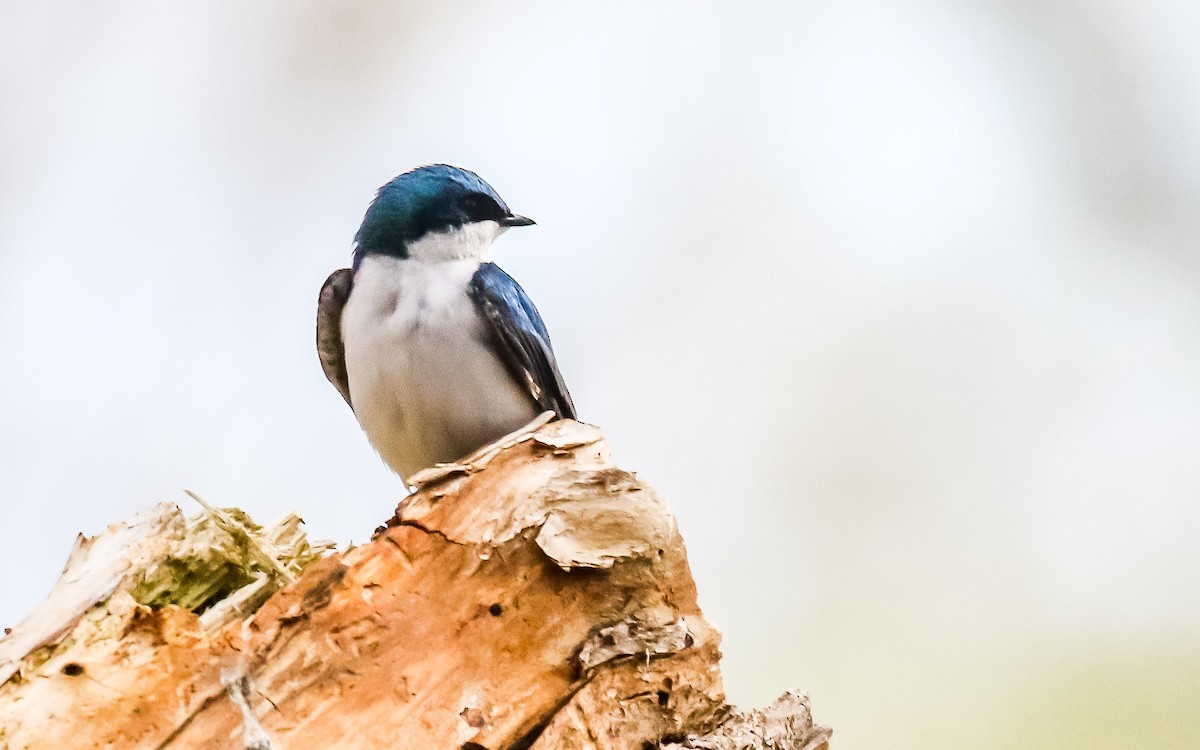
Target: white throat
(469,242)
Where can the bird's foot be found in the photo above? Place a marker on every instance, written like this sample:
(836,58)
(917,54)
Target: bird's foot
(482,457)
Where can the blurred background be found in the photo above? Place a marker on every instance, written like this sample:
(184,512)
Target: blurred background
(895,302)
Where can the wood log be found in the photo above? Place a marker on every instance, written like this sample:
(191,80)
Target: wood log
(533,597)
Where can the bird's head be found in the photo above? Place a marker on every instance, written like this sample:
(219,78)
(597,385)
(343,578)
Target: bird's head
(437,211)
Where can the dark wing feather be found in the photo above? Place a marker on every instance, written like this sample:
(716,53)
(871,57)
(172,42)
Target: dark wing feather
(332,299)
(520,336)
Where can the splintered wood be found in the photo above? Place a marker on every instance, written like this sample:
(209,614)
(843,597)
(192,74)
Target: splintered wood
(535,597)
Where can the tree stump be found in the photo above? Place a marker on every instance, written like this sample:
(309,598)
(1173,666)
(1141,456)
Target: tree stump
(533,597)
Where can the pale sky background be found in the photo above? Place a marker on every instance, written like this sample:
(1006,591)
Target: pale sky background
(895,302)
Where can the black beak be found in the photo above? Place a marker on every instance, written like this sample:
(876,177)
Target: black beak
(512,220)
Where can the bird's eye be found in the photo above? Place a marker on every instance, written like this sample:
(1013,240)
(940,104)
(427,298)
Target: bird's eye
(479,207)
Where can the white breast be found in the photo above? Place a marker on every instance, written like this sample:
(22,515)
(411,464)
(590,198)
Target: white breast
(425,385)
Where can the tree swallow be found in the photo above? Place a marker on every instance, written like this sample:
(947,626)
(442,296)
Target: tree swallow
(437,351)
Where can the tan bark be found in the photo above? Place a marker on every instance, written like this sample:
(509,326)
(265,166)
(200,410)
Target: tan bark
(536,597)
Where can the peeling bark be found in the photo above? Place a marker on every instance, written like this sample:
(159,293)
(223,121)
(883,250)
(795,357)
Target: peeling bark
(533,597)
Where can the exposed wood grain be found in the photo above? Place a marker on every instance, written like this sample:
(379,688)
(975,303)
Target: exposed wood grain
(538,597)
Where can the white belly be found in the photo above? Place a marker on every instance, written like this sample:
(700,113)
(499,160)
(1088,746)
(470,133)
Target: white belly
(425,386)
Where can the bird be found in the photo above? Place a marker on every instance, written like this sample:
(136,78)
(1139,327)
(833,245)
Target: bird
(437,351)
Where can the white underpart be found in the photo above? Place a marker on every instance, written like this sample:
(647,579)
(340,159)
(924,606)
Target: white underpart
(469,242)
(425,385)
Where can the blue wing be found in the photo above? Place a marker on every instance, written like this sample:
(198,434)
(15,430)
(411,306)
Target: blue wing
(521,338)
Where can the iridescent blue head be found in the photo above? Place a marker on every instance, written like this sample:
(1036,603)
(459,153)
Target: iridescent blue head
(433,199)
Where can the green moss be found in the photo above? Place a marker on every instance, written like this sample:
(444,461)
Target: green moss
(225,561)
